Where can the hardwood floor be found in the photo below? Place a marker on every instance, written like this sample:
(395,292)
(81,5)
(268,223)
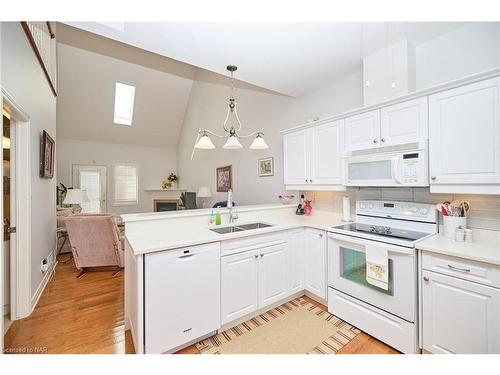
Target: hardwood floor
(86,315)
(73,315)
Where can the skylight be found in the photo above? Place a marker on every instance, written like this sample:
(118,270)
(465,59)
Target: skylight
(124,103)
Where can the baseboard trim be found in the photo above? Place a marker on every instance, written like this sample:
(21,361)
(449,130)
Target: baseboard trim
(41,287)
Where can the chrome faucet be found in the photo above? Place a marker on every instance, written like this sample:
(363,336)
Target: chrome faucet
(233,214)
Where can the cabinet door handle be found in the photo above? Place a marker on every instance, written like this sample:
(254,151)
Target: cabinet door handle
(187,330)
(186,256)
(261,255)
(433,178)
(256,256)
(382,140)
(310,180)
(375,141)
(306,179)
(426,278)
(458,268)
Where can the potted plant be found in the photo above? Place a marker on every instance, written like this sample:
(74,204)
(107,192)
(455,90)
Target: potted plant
(170,182)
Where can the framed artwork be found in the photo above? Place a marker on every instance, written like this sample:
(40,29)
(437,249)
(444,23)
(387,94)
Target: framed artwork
(224,178)
(266,167)
(47,153)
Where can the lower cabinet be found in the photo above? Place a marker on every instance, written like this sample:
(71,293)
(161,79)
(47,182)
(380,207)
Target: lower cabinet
(181,296)
(251,280)
(295,260)
(315,262)
(459,316)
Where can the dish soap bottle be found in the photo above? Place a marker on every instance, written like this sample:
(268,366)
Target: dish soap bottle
(218,219)
(211,219)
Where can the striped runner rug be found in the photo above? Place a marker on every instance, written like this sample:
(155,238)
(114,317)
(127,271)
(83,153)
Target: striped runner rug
(296,327)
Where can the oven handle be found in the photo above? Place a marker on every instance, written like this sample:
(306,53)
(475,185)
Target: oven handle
(362,242)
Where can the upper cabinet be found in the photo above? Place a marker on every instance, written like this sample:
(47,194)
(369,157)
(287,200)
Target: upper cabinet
(312,157)
(389,73)
(397,124)
(464,139)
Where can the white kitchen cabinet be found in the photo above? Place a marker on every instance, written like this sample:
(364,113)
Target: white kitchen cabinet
(459,316)
(315,262)
(312,157)
(464,139)
(181,296)
(295,260)
(272,274)
(362,131)
(326,150)
(239,285)
(389,73)
(404,122)
(296,158)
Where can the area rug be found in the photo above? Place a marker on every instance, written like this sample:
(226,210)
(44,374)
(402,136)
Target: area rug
(296,327)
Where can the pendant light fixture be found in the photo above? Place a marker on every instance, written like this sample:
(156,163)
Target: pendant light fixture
(232,135)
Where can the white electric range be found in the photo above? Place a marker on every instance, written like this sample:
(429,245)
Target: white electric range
(389,315)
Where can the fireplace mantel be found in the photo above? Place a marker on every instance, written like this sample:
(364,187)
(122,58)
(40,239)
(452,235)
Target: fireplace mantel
(156,190)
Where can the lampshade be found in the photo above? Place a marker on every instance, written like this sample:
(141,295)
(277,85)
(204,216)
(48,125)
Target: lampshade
(259,143)
(204,192)
(232,143)
(76,196)
(5,142)
(205,143)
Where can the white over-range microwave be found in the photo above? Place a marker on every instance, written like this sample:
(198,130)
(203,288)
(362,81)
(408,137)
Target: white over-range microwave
(405,165)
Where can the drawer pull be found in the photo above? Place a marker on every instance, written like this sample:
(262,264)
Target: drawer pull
(426,278)
(187,330)
(458,269)
(186,256)
(261,255)
(256,256)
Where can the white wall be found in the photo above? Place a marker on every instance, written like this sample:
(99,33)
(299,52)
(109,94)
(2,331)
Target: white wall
(154,166)
(23,78)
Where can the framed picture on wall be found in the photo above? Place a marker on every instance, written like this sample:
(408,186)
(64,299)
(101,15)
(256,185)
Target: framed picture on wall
(266,167)
(224,178)
(47,153)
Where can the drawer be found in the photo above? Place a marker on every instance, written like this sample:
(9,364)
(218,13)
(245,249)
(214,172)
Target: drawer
(478,272)
(253,242)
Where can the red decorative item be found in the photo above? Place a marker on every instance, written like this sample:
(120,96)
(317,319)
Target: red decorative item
(308,208)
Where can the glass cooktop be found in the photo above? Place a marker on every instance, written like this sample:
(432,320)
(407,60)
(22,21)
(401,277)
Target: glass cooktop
(383,231)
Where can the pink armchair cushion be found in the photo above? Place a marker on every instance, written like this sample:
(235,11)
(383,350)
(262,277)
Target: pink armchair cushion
(95,240)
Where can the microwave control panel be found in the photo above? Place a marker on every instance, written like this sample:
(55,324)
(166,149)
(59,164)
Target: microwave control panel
(412,171)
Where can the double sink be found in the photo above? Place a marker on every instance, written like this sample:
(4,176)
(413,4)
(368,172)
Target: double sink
(240,228)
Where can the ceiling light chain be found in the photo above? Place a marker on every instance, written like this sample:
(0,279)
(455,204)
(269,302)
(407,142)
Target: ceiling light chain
(203,140)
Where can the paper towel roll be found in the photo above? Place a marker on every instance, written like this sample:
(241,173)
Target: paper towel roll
(346,209)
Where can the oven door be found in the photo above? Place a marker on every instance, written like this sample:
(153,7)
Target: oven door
(347,274)
(373,170)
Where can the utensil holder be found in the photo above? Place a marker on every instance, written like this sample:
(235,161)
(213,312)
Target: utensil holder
(451,223)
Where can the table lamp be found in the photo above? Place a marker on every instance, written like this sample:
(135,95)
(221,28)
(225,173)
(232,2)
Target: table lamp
(204,192)
(75,197)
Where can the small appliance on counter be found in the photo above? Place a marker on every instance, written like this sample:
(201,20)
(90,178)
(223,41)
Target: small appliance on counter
(301,207)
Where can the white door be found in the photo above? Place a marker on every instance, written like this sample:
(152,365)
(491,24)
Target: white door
(363,131)
(239,283)
(327,148)
(272,274)
(295,147)
(92,179)
(315,261)
(405,122)
(295,255)
(459,316)
(464,134)
(181,296)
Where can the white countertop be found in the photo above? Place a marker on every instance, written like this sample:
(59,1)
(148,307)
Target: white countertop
(189,235)
(485,248)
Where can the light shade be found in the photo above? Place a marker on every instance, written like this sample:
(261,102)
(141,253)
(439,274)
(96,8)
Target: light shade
(205,143)
(232,143)
(76,196)
(204,192)
(259,143)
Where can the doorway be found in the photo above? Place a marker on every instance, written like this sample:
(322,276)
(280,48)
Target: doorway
(7,219)
(92,179)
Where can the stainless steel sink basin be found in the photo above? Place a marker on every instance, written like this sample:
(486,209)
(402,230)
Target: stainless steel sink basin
(240,228)
(224,230)
(254,226)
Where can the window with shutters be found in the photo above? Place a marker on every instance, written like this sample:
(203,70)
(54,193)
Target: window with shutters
(125,184)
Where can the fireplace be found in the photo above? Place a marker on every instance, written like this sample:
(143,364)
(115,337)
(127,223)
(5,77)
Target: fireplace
(160,205)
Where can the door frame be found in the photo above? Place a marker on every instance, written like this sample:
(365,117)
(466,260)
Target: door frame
(20,255)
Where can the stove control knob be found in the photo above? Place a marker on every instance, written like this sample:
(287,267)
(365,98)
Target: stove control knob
(423,211)
(370,206)
(413,209)
(362,206)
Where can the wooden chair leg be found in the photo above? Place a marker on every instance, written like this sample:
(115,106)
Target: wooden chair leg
(82,272)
